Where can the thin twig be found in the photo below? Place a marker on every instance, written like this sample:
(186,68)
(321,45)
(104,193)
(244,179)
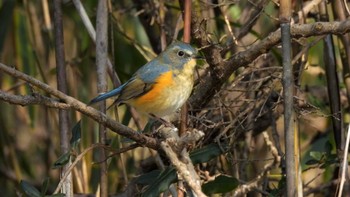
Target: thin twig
(244,189)
(344,164)
(63,119)
(187,38)
(224,68)
(346,7)
(84,109)
(75,162)
(292,169)
(35,99)
(203,91)
(90,28)
(306,9)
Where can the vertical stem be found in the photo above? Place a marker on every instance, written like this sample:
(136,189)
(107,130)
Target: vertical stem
(288,93)
(288,111)
(187,21)
(184,109)
(67,187)
(162,9)
(101,62)
(90,29)
(339,12)
(332,83)
(187,39)
(344,166)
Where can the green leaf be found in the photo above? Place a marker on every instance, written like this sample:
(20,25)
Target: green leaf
(311,162)
(328,147)
(330,160)
(29,190)
(162,182)
(6,14)
(148,178)
(76,135)
(316,155)
(24,54)
(148,127)
(168,176)
(62,160)
(45,186)
(126,118)
(326,165)
(56,195)
(333,158)
(221,184)
(207,153)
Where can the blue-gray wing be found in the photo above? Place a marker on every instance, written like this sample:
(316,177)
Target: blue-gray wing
(114,92)
(143,80)
(152,70)
(139,84)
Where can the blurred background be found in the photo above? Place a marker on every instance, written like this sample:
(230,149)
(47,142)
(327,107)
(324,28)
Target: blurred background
(246,105)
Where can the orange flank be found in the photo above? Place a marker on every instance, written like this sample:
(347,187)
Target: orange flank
(167,94)
(165,80)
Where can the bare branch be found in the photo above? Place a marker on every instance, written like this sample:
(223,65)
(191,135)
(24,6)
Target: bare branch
(90,29)
(82,154)
(63,115)
(184,168)
(35,99)
(85,109)
(222,69)
(244,189)
(344,164)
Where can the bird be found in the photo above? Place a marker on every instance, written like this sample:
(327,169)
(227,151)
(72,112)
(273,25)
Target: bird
(161,86)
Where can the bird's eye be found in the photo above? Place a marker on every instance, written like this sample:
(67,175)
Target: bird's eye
(180,53)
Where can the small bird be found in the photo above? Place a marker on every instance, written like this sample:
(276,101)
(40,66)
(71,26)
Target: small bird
(161,86)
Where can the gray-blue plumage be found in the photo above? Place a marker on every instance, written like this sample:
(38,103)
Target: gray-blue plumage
(172,59)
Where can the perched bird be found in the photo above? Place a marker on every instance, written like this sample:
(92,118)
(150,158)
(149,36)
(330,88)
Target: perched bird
(162,85)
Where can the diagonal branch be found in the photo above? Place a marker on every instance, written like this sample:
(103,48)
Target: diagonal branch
(85,109)
(35,99)
(210,83)
(221,69)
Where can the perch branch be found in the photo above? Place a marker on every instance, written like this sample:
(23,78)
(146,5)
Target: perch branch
(35,99)
(85,109)
(185,169)
(205,90)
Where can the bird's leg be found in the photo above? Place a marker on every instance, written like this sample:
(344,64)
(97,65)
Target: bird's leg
(163,121)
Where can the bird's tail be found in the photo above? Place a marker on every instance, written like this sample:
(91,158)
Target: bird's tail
(101,97)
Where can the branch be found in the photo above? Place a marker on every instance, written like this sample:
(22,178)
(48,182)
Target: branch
(90,29)
(244,189)
(85,109)
(175,149)
(344,164)
(35,99)
(63,115)
(101,61)
(184,168)
(204,91)
(221,70)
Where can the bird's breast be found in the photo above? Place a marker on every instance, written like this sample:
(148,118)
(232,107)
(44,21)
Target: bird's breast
(169,92)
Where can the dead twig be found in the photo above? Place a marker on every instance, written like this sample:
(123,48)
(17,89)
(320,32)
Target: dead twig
(244,189)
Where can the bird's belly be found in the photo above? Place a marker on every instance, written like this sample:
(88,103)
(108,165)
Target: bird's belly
(168,95)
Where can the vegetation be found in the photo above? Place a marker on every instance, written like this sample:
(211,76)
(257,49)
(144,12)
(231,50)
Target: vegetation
(234,139)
